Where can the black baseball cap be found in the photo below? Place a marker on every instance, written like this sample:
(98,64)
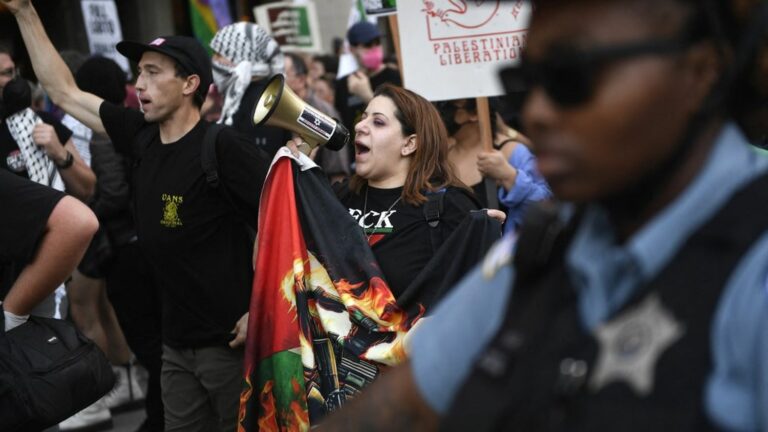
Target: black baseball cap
(186,50)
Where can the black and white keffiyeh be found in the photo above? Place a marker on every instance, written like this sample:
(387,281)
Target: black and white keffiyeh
(254,54)
(40,168)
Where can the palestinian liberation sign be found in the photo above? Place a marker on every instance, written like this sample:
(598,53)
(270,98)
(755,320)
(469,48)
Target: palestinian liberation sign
(294,26)
(453,49)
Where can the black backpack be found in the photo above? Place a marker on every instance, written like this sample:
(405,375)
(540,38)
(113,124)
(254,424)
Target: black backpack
(48,372)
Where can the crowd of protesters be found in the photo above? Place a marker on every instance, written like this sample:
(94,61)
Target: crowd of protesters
(625,290)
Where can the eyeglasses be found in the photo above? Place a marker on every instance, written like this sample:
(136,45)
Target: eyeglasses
(568,75)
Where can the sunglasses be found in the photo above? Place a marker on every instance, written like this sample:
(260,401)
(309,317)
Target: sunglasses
(569,75)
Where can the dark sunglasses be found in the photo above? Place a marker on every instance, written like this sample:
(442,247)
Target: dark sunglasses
(568,75)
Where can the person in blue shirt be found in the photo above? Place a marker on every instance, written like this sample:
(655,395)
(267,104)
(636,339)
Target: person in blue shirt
(510,165)
(642,303)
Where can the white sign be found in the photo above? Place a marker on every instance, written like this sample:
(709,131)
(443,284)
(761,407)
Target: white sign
(453,49)
(292,25)
(103,28)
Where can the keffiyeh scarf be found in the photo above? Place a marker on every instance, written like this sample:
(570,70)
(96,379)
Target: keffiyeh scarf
(40,167)
(253,52)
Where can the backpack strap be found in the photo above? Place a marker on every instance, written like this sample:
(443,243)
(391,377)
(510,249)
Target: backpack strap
(210,165)
(433,208)
(208,158)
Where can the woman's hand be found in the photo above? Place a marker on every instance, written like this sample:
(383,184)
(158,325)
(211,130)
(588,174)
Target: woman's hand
(358,84)
(497,214)
(493,164)
(293,145)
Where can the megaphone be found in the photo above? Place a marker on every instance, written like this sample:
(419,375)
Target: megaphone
(279,106)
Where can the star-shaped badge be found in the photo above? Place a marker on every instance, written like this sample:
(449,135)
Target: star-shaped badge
(631,344)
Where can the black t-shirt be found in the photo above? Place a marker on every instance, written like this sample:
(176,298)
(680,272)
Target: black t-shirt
(351,107)
(195,240)
(399,234)
(10,155)
(26,208)
(268,137)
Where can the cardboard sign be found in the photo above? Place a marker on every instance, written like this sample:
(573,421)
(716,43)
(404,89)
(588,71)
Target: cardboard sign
(453,49)
(294,26)
(103,29)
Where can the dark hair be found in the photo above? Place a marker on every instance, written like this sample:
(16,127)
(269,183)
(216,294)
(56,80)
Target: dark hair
(7,48)
(430,169)
(102,77)
(330,63)
(299,65)
(200,93)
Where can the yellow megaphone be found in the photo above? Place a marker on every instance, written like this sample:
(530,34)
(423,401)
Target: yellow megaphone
(279,106)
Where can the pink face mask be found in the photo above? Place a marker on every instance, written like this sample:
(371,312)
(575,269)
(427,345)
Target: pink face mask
(373,58)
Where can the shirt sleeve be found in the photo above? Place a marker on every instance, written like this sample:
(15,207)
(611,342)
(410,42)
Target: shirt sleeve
(737,389)
(529,185)
(23,225)
(243,168)
(122,124)
(461,326)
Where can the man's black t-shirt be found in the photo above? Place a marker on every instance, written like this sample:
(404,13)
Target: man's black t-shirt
(351,107)
(22,224)
(399,235)
(196,242)
(11,158)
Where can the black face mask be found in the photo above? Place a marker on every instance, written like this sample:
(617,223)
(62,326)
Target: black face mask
(447,112)
(16,97)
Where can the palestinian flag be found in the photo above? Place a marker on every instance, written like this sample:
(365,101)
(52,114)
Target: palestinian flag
(322,318)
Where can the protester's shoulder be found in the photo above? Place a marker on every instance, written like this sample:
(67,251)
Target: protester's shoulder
(120,122)
(112,109)
(229,136)
(236,147)
(22,194)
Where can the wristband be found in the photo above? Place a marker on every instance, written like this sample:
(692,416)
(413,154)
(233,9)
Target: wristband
(12,320)
(67,162)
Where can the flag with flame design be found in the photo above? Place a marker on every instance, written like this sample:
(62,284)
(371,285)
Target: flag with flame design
(322,318)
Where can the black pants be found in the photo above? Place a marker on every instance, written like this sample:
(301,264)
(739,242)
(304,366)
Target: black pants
(132,292)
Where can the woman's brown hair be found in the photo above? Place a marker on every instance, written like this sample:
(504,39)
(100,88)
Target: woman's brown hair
(430,169)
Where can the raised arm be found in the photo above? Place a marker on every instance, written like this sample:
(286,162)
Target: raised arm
(51,70)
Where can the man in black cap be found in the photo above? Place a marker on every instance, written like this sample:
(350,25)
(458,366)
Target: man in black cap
(354,91)
(195,236)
